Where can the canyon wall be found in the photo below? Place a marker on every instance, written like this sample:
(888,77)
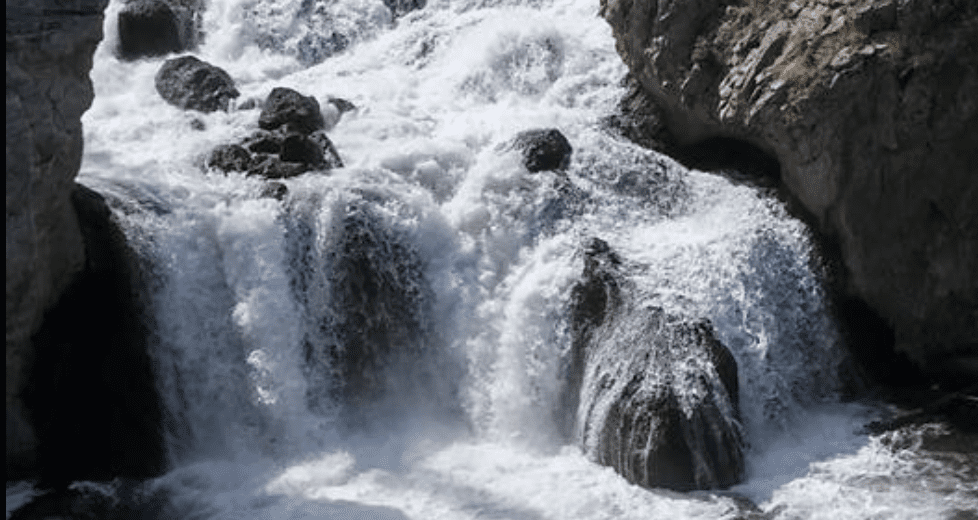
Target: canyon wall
(871,109)
(50,44)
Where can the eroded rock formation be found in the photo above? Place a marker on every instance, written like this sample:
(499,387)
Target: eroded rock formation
(871,109)
(49,56)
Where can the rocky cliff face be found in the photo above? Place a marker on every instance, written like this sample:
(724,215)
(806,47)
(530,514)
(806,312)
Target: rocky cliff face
(50,44)
(871,109)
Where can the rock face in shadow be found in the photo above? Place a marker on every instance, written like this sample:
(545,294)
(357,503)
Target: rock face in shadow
(191,84)
(658,393)
(91,393)
(49,56)
(157,27)
(871,109)
(378,352)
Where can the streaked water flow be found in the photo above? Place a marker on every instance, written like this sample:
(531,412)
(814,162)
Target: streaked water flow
(252,294)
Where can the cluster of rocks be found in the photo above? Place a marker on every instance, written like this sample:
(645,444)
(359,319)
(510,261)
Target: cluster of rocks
(291,139)
(158,27)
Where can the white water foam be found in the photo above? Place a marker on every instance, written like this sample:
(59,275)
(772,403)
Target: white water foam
(437,91)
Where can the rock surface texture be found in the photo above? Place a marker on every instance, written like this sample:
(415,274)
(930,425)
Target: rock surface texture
(158,27)
(658,393)
(191,84)
(49,55)
(871,109)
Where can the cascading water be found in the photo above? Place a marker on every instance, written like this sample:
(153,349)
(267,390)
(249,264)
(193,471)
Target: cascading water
(392,339)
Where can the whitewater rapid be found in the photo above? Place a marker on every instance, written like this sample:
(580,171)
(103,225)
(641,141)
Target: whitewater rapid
(438,91)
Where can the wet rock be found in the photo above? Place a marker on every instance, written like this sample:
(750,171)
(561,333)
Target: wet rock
(192,84)
(288,108)
(264,141)
(49,56)
(272,167)
(658,392)
(91,394)
(330,157)
(873,128)
(381,339)
(157,27)
(229,158)
(197,124)
(543,149)
(249,104)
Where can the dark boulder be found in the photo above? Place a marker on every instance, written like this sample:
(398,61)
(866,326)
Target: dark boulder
(157,27)
(543,149)
(288,108)
(657,392)
(192,84)
(229,158)
(299,148)
(274,190)
(91,392)
(264,141)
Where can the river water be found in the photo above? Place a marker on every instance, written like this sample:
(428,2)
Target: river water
(493,252)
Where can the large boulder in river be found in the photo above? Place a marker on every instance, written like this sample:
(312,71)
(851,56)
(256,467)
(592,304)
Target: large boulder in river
(49,56)
(158,27)
(871,110)
(657,394)
(192,84)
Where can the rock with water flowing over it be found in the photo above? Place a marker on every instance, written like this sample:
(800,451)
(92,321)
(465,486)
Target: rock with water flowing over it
(191,84)
(657,393)
(543,149)
(379,336)
(401,7)
(158,27)
(92,393)
(871,111)
(287,108)
(49,56)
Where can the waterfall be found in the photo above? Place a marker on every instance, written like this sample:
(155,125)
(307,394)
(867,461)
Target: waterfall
(397,338)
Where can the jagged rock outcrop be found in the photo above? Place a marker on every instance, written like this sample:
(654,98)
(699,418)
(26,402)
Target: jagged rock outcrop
(157,27)
(191,84)
(871,109)
(657,394)
(49,56)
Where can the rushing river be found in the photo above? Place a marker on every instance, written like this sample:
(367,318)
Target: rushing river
(253,433)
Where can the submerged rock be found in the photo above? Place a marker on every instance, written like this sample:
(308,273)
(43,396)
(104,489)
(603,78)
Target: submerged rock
(658,393)
(543,149)
(192,84)
(871,111)
(288,108)
(157,27)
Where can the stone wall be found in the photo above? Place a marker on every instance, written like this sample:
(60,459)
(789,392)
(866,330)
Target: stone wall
(871,108)
(50,44)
